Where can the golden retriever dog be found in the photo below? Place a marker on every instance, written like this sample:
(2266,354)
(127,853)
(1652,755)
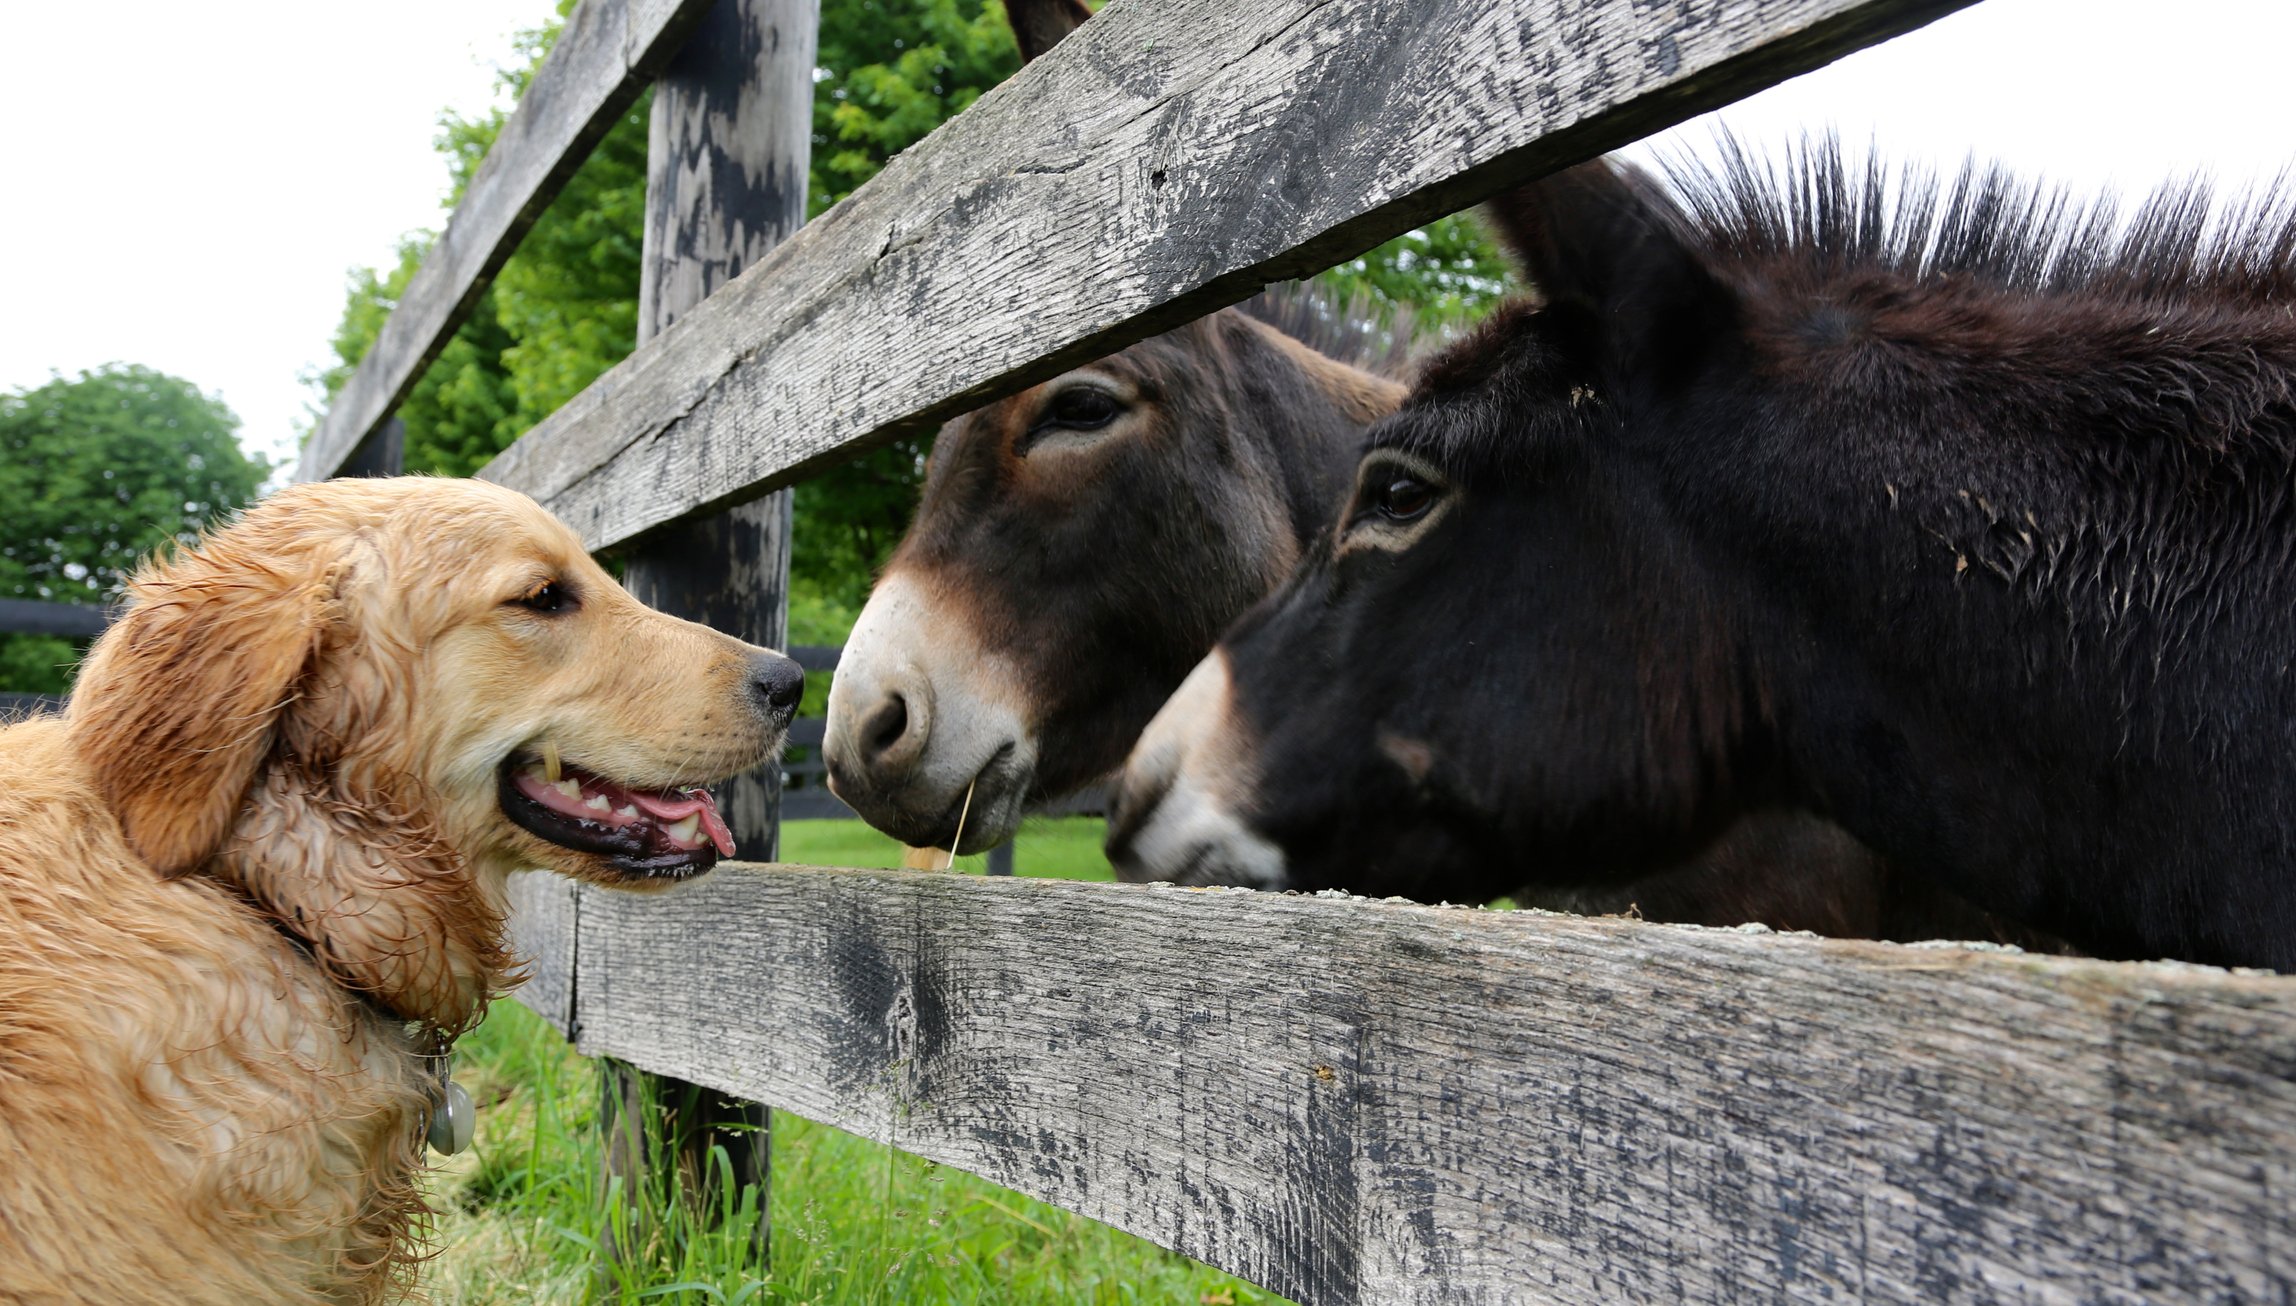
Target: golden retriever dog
(253,878)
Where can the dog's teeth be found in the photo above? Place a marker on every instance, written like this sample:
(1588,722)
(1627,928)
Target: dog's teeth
(598,803)
(626,812)
(685,830)
(569,788)
(535,772)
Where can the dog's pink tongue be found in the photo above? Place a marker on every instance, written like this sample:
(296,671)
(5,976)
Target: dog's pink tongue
(669,808)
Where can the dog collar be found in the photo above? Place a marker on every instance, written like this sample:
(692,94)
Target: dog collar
(453,1117)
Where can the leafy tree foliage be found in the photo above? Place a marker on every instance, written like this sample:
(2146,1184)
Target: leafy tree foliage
(1448,273)
(564,308)
(562,311)
(97,471)
(890,72)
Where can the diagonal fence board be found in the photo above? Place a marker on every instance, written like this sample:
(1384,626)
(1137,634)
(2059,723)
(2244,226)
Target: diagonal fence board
(1170,157)
(605,57)
(1351,1101)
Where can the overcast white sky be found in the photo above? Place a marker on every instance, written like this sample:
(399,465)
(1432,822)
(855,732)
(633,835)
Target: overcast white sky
(187,186)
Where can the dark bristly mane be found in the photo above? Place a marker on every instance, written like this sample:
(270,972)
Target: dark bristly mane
(1816,209)
(1358,331)
(2183,285)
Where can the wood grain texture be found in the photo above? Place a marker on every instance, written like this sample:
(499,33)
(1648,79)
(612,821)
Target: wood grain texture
(1350,1101)
(727,152)
(604,59)
(1168,158)
(729,149)
(730,144)
(35,617)
(542,907)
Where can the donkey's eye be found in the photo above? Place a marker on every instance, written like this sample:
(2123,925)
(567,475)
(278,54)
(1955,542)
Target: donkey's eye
(1403,498)
(1081,408)
(549,596)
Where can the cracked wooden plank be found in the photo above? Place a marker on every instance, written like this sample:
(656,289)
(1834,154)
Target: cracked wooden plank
(1349,1101)
(1167,158)
(607,55)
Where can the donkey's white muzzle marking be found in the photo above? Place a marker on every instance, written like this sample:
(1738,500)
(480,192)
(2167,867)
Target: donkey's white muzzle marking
(1174,818)
(918,714)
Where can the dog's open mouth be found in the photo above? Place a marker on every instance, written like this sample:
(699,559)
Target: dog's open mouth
(668,834)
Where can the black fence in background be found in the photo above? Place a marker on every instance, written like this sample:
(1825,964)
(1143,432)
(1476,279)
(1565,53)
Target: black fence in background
(36,617)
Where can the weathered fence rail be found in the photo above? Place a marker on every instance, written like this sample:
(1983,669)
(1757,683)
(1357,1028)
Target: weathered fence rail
(1165,160)
(605,58)
(1346,1101)
(1356,1101)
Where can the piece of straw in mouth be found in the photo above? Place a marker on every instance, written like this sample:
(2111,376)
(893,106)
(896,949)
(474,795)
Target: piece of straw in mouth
(962,813)
(550,761)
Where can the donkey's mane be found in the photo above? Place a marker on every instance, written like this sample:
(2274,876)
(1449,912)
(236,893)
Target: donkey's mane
(1815,208)
(1811,217)
(1358,330)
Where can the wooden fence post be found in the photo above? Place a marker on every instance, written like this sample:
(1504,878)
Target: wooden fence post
(727,159)
(382,454)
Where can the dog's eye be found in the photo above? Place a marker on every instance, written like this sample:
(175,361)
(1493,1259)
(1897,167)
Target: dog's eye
(549,596)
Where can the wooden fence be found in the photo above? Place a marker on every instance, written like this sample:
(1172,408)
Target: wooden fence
(1343,1100)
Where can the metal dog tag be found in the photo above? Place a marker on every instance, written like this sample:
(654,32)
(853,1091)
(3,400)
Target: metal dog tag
(452,1121)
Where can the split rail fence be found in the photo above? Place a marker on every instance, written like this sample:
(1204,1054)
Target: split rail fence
(1342,1100)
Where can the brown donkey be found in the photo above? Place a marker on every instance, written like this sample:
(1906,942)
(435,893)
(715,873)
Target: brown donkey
(1079,546)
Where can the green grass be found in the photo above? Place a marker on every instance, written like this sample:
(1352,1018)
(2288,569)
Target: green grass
(1059,848)
(854,1223)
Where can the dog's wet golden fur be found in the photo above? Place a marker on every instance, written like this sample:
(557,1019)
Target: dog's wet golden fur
(262,857)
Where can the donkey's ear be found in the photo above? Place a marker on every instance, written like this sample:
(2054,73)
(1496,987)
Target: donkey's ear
(1604,236)
(1038,25)
(178,703)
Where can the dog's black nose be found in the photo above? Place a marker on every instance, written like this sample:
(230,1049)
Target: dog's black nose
(778,683)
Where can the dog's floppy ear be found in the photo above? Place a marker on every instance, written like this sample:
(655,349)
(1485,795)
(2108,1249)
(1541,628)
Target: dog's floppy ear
(177,705)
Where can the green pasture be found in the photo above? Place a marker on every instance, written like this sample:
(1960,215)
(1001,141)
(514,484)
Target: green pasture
(1064,848)
(853,1222)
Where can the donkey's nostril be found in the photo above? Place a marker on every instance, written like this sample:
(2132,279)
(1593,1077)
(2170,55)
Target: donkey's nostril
(884,728)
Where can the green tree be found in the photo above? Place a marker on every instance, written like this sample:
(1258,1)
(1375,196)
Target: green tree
(1449,273)
(563,310)
(890,71)
(97,471)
